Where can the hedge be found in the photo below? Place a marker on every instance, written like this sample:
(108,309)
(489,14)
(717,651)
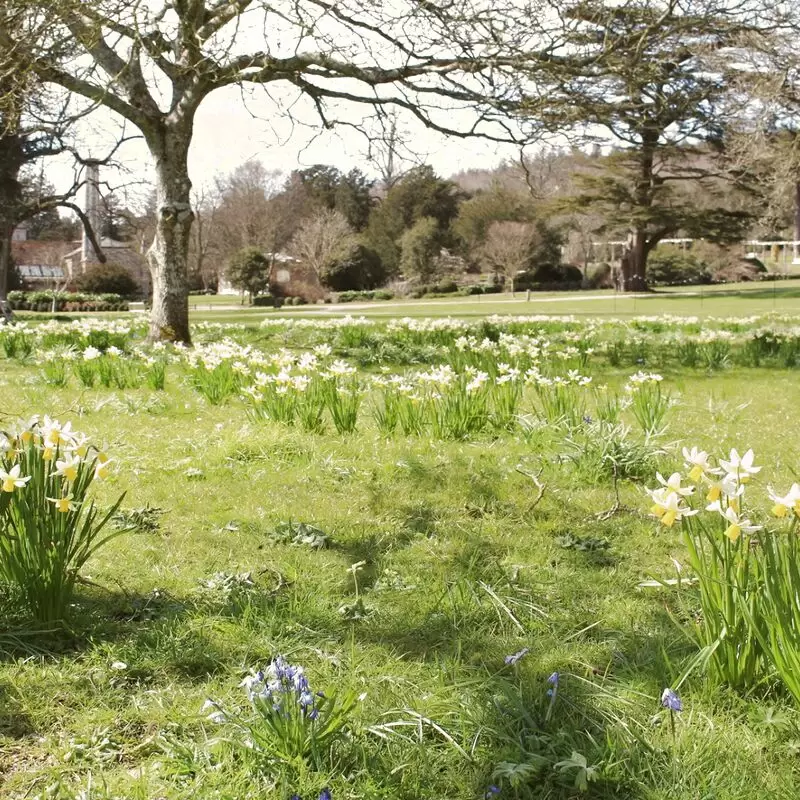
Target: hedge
(66,301)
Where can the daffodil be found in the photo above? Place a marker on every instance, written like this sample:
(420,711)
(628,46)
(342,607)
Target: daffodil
(727,486)
(668,506)
(788,504)
(68,468)
(673,484)
(63,504)
(740,467)
(12,480)
(79,445)
(697,463)
(101,468)
(737,525)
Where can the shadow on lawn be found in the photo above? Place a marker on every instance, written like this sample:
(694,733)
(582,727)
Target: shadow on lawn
(156,632)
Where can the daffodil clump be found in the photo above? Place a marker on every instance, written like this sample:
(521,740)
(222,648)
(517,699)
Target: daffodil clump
(747,573)
(48,526)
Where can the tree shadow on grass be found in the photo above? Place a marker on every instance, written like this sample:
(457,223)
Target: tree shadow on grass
(14,723)
(156,632)
(555,736)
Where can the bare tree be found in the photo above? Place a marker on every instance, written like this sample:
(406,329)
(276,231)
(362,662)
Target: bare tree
(153,63)
(507,249)
(242,215)
(321,239)
(33,126)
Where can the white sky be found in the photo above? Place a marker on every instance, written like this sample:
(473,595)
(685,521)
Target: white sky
(230,130)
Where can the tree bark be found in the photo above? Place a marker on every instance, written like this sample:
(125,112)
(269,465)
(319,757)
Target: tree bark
(639,252)
(797,211)
(168,256)
(6,232)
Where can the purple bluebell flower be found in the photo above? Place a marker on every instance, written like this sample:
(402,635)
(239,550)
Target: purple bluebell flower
(512,659)
(295,797)
(325,794)
(671,700)
(282,684)
(491,792)
(587,419)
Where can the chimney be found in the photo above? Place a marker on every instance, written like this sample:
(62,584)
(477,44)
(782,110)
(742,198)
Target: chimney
(92,209)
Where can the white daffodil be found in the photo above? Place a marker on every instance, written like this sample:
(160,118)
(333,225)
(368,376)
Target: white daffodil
(741,467)
(101,468)
(12,480)
(668,506)
(673,484)
(697,463)
(788,504)
(79,445)
(727,486)
(63,504)
(68,468)
(737,525)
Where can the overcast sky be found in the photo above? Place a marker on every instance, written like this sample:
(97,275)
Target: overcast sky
(231,129)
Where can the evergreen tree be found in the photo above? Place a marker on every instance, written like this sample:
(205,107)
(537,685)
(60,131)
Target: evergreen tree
(657,87)
(420,194)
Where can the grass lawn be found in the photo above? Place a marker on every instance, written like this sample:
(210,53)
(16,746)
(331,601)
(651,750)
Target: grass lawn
(719,300)
(428,563)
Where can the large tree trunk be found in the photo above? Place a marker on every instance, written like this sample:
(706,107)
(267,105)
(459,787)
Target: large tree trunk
(6,232)
(797,211)
(168,256)
(634,262)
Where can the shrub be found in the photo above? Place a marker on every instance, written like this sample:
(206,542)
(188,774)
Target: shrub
(599,277)
(108,278)
(264,300)
(725,264)
(360,268)
(669,265)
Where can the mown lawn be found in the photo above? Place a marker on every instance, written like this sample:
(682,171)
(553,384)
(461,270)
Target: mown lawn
(461,561)
(743,299)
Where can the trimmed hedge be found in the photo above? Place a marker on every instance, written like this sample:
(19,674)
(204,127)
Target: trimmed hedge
(66,301)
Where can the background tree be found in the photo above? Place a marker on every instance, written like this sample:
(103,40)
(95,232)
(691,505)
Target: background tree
(242,214)
(657,86)
(419,247)
(419,194)
(478,214)
(321,240)
(248,271)
(153,63)
(328,188)
(507,249)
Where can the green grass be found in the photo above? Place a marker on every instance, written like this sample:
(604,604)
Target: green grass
(461,567)
(720,300)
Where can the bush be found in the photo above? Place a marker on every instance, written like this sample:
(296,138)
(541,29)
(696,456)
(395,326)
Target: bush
(670,266)
(66,301)
(599,277)
(264,300)
(445,287)
(360,268)
(548,277)
(108,278)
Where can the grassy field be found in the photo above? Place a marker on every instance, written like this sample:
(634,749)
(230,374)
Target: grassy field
(719,300)
(429,561)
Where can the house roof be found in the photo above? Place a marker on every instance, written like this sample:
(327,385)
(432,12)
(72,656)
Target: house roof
(33,272)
